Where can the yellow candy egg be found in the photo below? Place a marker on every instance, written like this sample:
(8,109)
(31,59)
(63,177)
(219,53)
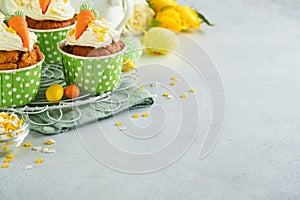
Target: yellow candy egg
(54,93)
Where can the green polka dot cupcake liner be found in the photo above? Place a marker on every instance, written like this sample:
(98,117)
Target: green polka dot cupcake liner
(20,86)
(47,41)
(134,48)
(93,75)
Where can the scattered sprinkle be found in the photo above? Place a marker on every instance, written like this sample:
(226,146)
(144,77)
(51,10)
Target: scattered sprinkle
(10,156)
(145,115)
(118,123)
(135,115)
(173,83)
(166,94)
(49,151)
(142,87)
(27,144)
(154,84)
(50,142)
(173,78)
(183,96)
(36,148)
(5,165)
(123,128)
(192,90)
(39,160)
(28,167)
(101,18)
(169,97)
(7,160)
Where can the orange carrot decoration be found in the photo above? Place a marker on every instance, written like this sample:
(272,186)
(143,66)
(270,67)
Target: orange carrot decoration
(44,4)
(85,16)
(18,23)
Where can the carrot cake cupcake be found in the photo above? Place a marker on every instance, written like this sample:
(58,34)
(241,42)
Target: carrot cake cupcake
(18,47)
(50,20)
(98,38)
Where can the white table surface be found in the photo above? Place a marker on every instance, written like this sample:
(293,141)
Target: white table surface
(255,46)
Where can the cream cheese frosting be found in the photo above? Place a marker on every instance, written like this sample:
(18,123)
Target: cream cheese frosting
(99,33)
(10,41)
(58,10)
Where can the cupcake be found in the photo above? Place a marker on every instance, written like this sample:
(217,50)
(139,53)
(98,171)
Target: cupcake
(92,53)
(50,20)
(20,62)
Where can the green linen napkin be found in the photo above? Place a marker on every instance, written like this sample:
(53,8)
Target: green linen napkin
(131,98)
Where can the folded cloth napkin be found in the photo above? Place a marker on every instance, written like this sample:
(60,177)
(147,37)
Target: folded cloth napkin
(70,118)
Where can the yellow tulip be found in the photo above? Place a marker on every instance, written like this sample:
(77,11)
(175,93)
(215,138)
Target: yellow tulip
(170,19)
(189,15)
(157,5)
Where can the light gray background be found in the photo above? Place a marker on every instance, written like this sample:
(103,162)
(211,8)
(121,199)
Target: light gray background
(255,45)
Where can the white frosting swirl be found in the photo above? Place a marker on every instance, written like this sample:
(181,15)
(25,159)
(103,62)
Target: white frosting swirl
(100,33)
(1,16)
(58,10)
(11,41)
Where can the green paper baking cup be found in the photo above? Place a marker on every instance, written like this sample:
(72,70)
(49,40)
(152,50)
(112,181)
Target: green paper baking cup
(92,74)
(134,48)
(19,86)
(47,41)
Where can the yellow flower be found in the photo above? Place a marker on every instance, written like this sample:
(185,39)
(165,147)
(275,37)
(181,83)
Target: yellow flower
(189,15)
(170,19)
(157,5)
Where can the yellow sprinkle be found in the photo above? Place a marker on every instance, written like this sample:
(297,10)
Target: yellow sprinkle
(90,24)
(192,90)
(145,115)
(173,78)
(139,27)
(135,115)
(96,30)
(66,1)
(27,144)
(183,96)
(39,160)
(166,94)
(7,160)
(103,31)
(173,83)
(71,32)
(10,29)
(53,11)
(142,87)
(49,142)
(101,18)
(10,135)
(101,38)
(126,69)
(10,156)
(5,165)
(118,123)
(6,148)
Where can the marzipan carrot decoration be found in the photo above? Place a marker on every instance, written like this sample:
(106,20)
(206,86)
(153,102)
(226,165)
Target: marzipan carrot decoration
(44,4)
(85,16)
(18,23)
